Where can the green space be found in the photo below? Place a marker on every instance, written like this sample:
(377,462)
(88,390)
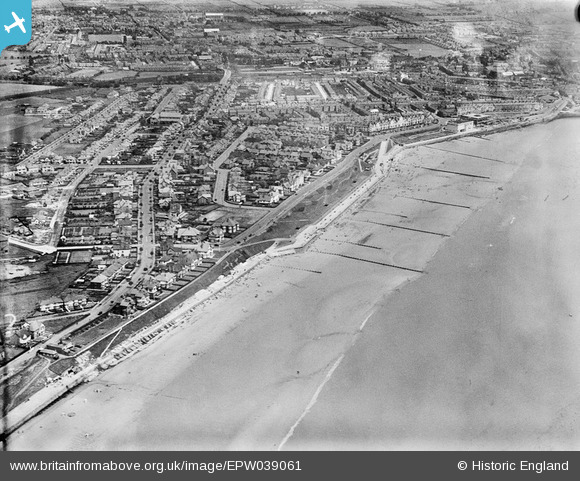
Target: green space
(120,74)
(315,206)
(29,380)
(420,49)
(19,128)
(66,149)
(20,296)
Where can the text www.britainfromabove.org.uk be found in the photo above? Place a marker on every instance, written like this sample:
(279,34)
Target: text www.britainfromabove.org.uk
(160,467)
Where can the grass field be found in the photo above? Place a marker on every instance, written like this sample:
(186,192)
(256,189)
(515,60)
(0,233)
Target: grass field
(20,386)
(315,205)
(21,296)
(18,128)
(87,72)
(58,324)
(120,74)
(420,49)
(245,217)
(70,149)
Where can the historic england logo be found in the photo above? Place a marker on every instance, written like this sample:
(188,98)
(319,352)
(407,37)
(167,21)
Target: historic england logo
(16,21)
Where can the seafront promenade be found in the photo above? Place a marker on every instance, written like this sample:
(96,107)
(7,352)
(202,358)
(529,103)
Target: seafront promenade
(383,167)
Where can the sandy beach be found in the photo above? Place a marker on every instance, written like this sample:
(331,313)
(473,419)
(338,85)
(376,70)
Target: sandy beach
(335,347)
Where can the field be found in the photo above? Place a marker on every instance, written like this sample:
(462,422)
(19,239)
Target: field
(18,128)
(162,74)
(314,206)
(336,43)
(420,49)
(72,93)
(120,74)
(20,386)
(21,296)
(87,72)
(58,324)
(10,271)
(70,149)
(245,217)
(18,208)
(8,251)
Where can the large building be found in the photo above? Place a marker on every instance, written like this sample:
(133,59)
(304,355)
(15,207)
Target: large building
(459,127)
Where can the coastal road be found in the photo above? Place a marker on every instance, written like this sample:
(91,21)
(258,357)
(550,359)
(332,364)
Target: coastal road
(261,225)
(492,360)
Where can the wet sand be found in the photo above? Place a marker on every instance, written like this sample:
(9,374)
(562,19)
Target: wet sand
(483,351)
(332,348)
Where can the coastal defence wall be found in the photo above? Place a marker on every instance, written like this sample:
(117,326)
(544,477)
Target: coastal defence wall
(387,153)
(166,316)
(42,400)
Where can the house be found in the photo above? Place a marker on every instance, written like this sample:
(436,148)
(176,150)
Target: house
(51,304)
(268,197)
(176,211)
(229,225)
(192,260)
(165,279)
(216,235)
(38,183)
(188,234)
(143,301)
(121,250)
(458,127)
(166,263)
(207,170)
(204,198)
(100,282)
(75,301)
(103,280)
(149,286)
(24,337)
(167,229)
(204,195)
(35,328)
(295,181)
(172,249)
(316,168)
(125,307)
(236,196)
(204,249)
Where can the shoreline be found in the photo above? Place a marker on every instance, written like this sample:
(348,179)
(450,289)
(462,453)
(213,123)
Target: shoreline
(487,359)
(308,235)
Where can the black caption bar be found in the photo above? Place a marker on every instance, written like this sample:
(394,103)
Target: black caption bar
(292,465)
